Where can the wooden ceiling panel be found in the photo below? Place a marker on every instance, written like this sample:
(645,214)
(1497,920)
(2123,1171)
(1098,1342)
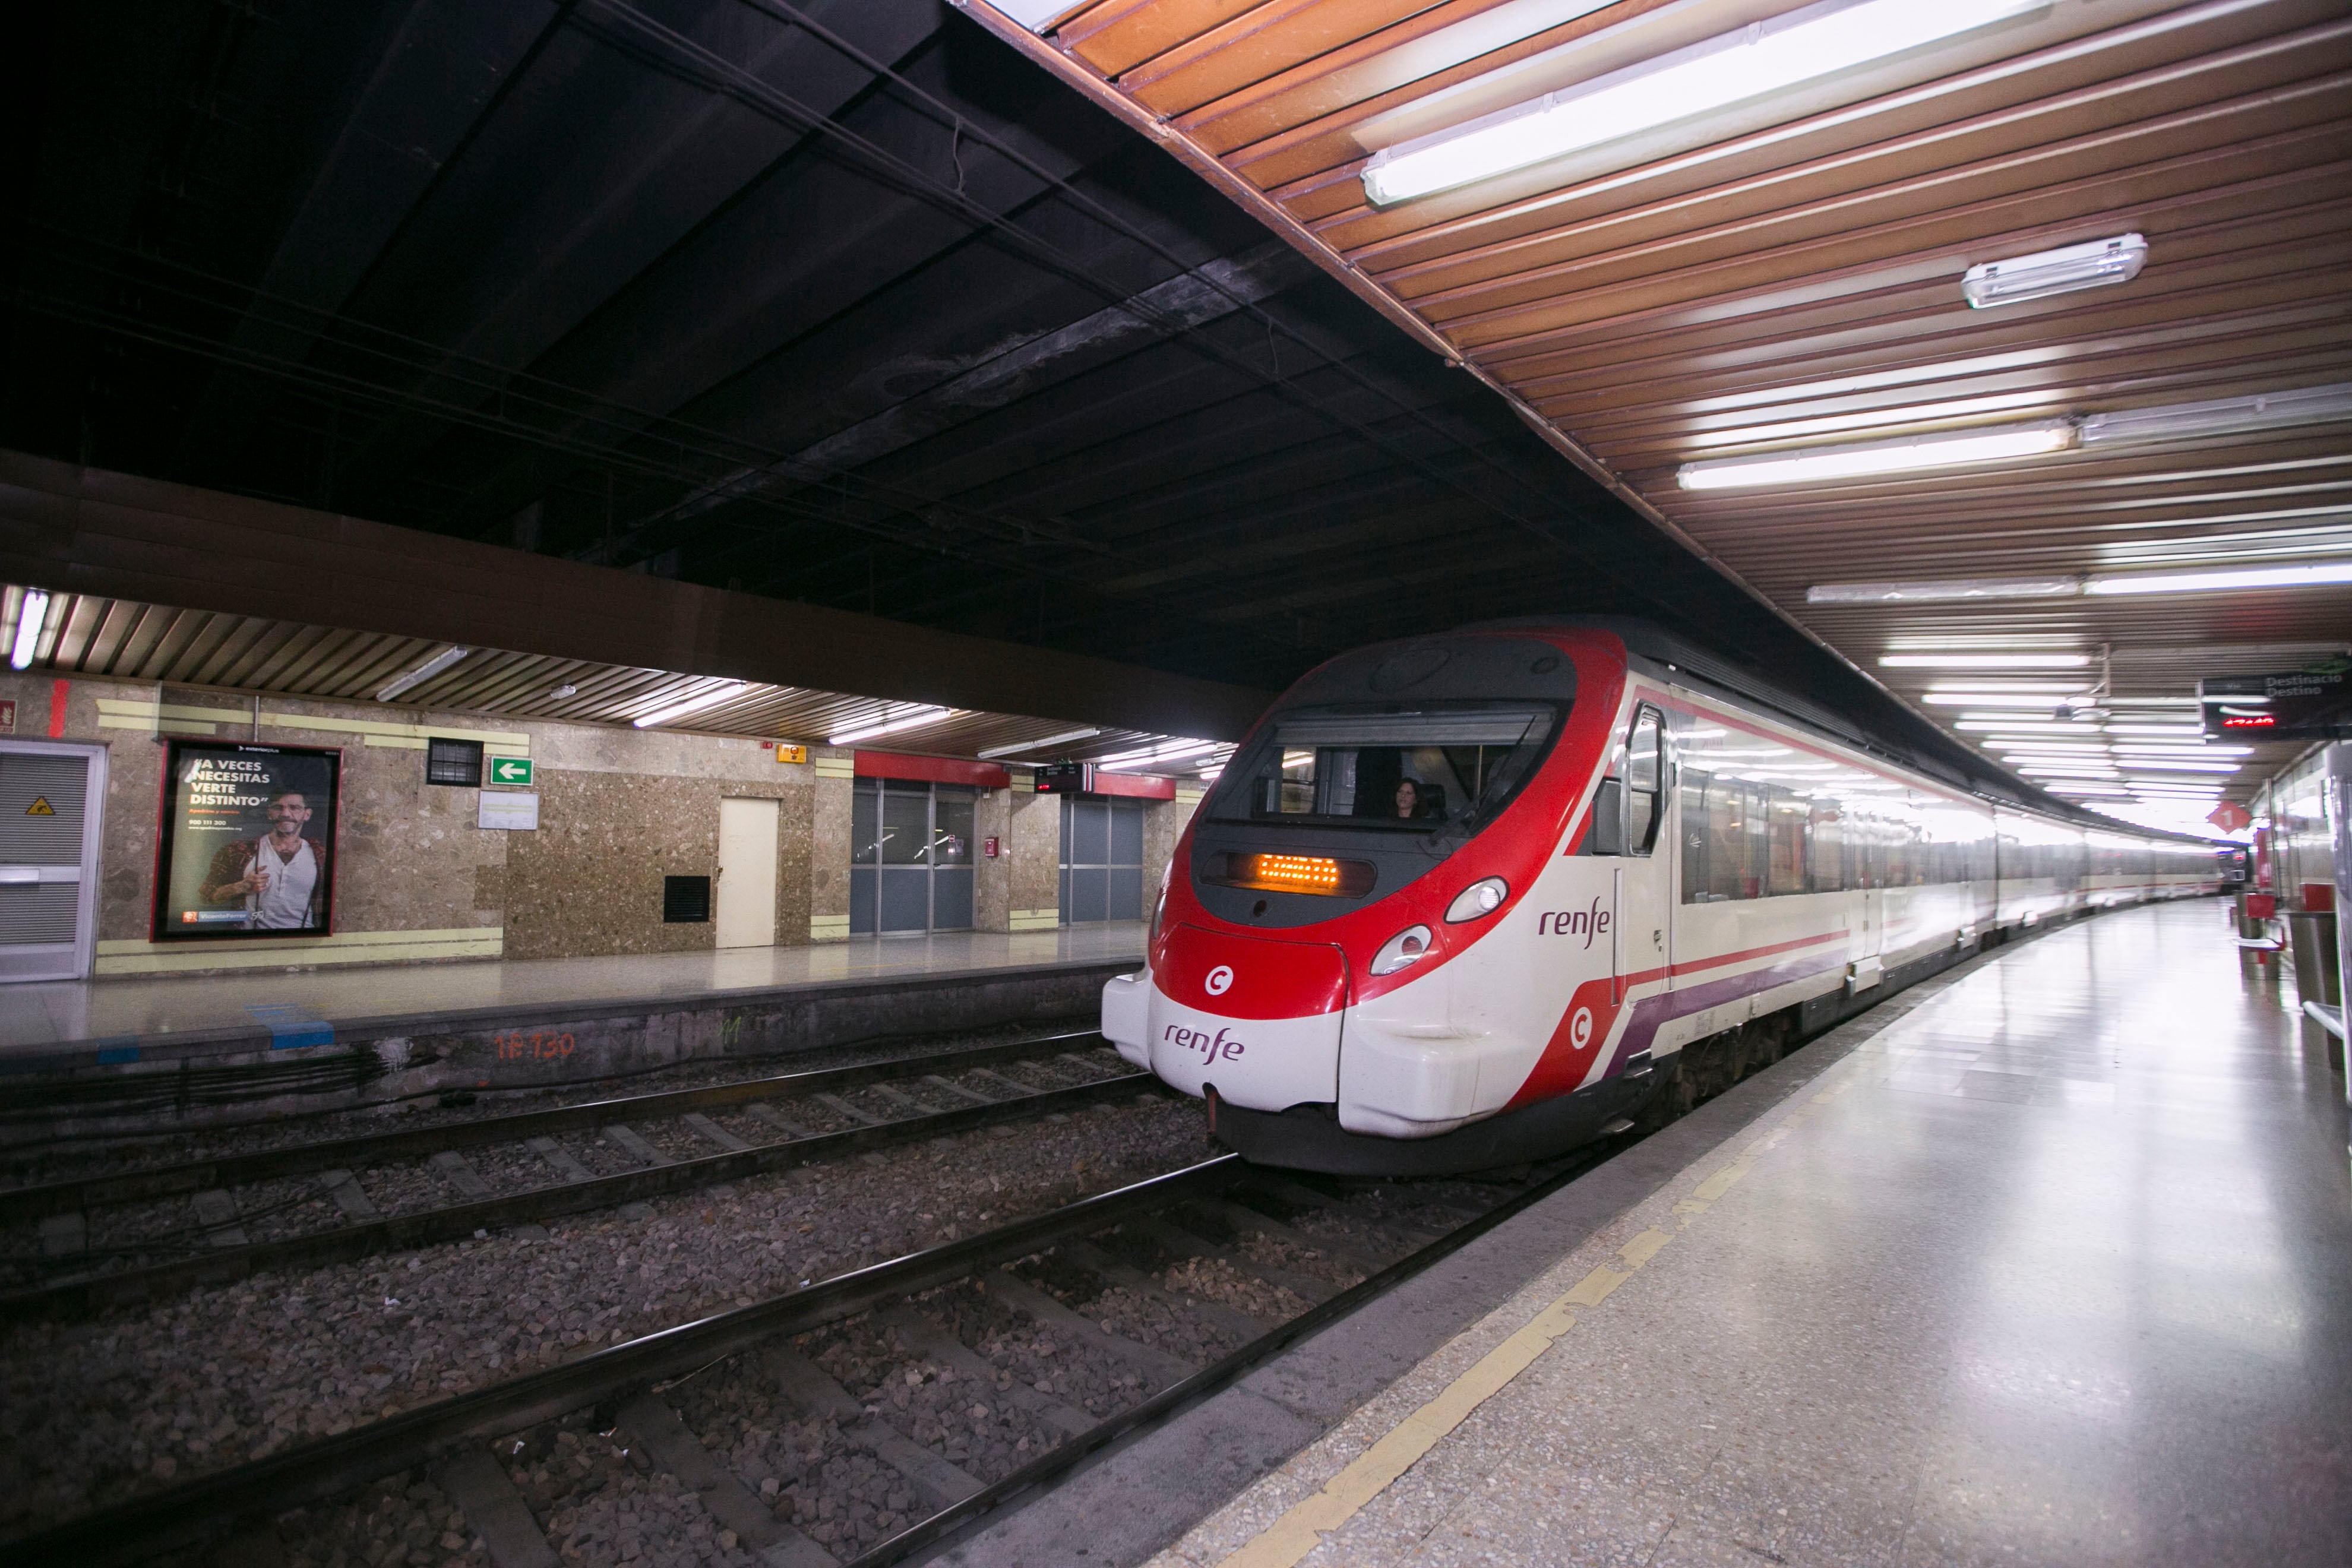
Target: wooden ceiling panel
(1786,272)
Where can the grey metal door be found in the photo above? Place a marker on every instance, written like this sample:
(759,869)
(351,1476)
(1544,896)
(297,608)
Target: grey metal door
(911,857)
(1102,860)
(51,795)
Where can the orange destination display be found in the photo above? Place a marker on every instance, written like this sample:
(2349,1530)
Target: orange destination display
(1297,873)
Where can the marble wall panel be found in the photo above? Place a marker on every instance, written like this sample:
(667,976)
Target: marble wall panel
(828,879)
(992,878)
(795,847)
(1032,847)
(589,880)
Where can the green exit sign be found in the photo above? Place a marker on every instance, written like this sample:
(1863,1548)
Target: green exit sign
(511,770)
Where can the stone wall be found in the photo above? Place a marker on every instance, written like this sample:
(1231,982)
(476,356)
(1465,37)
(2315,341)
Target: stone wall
(415,877)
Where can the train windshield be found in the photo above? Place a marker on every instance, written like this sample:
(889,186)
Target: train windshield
(1443,767)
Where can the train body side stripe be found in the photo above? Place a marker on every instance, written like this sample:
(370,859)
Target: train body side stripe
(1649,1012)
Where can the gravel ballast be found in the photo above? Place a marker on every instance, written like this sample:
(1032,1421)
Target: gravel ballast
(105,1410)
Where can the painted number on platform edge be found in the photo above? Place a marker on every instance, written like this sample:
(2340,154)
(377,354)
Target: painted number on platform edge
(534,1048)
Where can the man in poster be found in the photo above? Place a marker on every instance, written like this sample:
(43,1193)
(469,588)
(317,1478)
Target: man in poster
(282,876)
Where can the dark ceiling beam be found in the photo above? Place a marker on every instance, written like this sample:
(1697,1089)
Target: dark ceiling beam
(86,531)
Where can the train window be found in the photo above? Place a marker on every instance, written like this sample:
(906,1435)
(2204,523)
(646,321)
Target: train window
(1645,767)
(1420,770)
(1824,836)
(1785,818)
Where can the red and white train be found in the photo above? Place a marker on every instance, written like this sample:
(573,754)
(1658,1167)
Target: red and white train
(1467,900)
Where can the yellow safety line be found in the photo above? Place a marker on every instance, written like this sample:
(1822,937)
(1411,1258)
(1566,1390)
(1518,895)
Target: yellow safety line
(1300,1529)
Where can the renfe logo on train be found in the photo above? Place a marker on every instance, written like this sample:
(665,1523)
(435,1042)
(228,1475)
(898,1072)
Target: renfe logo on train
(1210,1046)
(1586,923)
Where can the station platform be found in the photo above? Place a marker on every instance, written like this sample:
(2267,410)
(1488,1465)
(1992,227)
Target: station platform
(396,1031)
(2046,1260)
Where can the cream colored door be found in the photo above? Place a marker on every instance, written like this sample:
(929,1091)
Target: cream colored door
(747,873)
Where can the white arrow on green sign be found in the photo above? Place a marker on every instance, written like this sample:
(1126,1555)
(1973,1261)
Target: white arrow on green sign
(511,770)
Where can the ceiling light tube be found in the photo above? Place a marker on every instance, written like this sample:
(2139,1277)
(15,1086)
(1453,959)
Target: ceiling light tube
(1943,591)
(1764,58)
(30,614)
(422,673)
(1940,449)
(1038,745)
(711,697)
(1160,753)
(2036,701)
(2094,265)
(891,723)
(1984,662)
(2317,575)
(2221,415)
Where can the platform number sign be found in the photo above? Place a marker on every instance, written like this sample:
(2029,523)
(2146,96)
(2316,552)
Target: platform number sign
(511,770)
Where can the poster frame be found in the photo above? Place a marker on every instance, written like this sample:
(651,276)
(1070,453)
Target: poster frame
(161,929)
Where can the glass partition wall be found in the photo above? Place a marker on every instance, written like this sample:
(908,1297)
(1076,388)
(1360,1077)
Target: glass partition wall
(1102,860)
(911,857)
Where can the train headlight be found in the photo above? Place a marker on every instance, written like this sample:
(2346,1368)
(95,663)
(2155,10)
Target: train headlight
(1403,950)
(1477,899)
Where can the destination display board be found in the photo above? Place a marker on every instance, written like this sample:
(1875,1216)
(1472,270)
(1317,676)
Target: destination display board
(1066,778)
(2302,704)
(247,844)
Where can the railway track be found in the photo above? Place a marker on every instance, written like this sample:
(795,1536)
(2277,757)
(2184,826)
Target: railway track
(75,1247)
(862,1418)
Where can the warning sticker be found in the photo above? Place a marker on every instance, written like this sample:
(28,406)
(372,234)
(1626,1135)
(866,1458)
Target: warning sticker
(40,807)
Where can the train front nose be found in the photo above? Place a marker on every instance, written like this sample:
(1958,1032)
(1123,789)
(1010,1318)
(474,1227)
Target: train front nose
(1258,1019)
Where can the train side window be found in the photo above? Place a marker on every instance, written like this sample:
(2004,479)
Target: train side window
(1646,773)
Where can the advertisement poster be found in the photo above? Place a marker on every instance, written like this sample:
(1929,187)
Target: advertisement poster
(248,841)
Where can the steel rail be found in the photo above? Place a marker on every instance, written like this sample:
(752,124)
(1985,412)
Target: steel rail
(176,1516)
(86,1296)
(1177,1397)
(19,1204)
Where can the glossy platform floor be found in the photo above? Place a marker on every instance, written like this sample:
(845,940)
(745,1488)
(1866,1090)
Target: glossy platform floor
(2056,1269)
(42,1016)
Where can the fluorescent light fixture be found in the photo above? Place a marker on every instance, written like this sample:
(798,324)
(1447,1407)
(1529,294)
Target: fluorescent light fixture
(1038,745)
(1943,590)
(2092,265)
(1037,16)
(2145,764)
(1160,753)
(1984,662)
(2221,415)
(1941,449)
(29,617)
(709,697)
(566,690)
(2038,703)
(2040,729)
(2323,574)
(1999,690)
(2312,574)
(891,723)
(1759,59)
(422,673)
